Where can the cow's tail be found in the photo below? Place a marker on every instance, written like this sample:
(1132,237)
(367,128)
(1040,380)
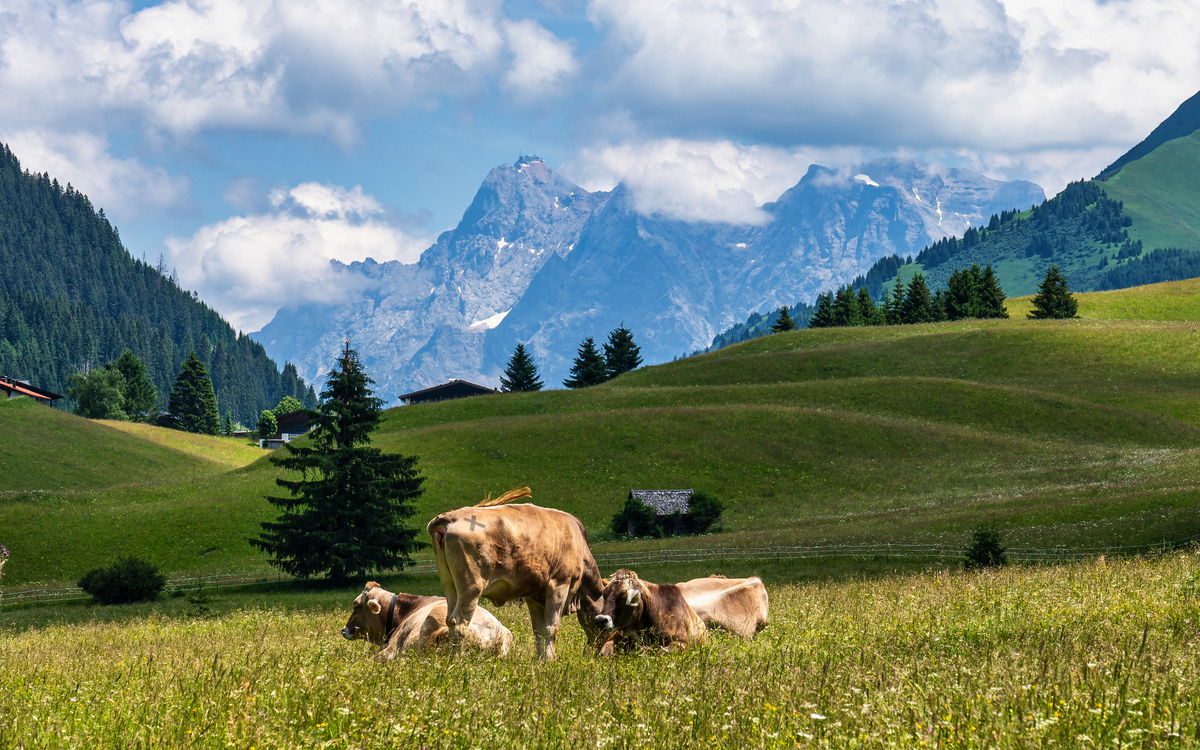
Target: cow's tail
(507,497)
(437,533)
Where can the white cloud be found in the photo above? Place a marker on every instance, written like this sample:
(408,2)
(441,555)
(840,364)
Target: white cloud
(541,63)
(301,66)
(698,180)
(1019,75)
(247,267)
(122,187)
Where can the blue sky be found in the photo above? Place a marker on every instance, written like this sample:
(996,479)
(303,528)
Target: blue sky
(249,142)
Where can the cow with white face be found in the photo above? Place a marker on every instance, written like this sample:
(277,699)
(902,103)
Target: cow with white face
(738,605)
(402,622)
(503,552)
(636,609)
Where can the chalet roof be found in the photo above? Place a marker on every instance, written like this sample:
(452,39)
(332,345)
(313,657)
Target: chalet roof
(664,502)
(293,423)
(25,388)
(448,390)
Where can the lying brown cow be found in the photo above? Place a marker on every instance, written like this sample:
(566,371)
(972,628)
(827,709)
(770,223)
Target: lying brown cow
(505,552)
(635,608)
(738,605)
(402,622)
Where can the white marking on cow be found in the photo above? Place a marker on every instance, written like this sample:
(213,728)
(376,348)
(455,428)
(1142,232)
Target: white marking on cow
(607,623)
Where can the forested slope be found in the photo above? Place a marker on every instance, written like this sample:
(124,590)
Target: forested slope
(72,297)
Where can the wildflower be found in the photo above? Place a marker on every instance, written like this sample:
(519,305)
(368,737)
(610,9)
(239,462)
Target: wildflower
(818,717)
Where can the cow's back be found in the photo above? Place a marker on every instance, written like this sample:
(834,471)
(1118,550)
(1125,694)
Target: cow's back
(514,549)
(739,605)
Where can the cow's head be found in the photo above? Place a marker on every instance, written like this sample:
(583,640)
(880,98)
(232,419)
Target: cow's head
(367,619)
(624,603)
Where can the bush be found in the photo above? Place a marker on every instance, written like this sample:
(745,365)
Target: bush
(635,519)
(126,581)
(267,425)
(703,511)
(985,549)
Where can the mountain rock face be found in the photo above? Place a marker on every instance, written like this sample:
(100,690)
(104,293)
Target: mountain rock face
(418,325)
(541,261)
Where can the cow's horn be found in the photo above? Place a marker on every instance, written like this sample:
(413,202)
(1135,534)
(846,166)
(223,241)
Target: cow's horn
(507,497)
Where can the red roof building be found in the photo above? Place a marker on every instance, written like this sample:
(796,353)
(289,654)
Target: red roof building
(13,388)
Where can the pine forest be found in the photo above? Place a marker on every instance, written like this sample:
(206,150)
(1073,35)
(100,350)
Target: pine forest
(72,298)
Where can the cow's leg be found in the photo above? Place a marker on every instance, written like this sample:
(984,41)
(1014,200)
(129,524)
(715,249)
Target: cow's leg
(466,583)
(557,598)
(537,617)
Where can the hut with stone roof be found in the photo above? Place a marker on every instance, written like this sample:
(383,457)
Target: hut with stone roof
(665,503)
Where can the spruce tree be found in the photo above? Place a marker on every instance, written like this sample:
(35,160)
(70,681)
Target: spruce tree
(893,304)
(846,311)
(822,316)
(962,298)
(588,367)
(228,431)
(139,395)
(621,355)
(521,375)
(991,296)
(918,306)
(784,322)
(193,401)
(1054,298)
(344,516)
(869,312)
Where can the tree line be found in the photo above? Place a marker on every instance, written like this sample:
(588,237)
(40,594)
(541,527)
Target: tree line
(590,367)
(970,293)
(72,298)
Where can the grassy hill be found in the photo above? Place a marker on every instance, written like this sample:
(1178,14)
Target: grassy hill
(1161,194)
(1073,433)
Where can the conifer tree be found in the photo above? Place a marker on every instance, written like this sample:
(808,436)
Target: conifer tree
(228,431)
(138,395)
(893,305)
(1054,298)
(918,306)
(991,295)
(521,375)
(621,355)
(345,515)
(784,322)
(193,401)
(588,367)
(869,312)
(846,311)
(822,316)
(963,294)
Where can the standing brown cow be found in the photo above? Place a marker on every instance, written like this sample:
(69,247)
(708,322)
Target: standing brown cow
(633,607)
(505,552)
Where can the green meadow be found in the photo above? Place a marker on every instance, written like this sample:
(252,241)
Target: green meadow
(1073,434)
(1094,654)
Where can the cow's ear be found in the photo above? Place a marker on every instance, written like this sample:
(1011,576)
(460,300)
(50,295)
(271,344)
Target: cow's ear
(633,596)
(374,606)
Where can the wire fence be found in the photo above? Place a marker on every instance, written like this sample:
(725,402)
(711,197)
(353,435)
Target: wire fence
(631,559)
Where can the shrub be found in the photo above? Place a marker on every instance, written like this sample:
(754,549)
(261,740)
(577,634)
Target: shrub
(267,424)
(985,549)
(127,580)
(703,511)
(635,518)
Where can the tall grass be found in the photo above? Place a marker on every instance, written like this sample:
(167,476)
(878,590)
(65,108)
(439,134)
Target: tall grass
(1091,654)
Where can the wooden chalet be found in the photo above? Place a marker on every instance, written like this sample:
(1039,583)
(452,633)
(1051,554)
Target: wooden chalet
(13,388)
(451,389)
